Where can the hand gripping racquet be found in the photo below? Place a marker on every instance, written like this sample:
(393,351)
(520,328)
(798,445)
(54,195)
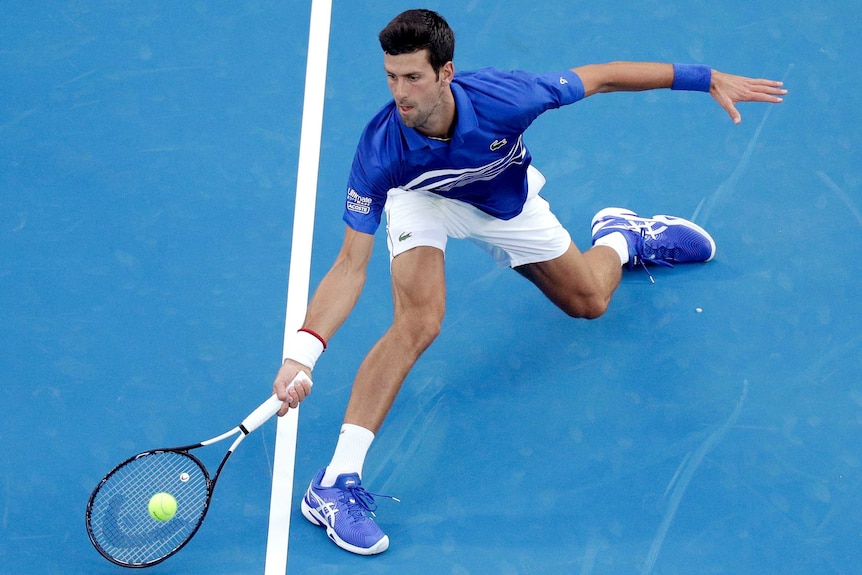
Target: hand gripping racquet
(118,520)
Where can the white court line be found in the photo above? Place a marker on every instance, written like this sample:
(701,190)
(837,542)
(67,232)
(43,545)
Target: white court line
(298,280)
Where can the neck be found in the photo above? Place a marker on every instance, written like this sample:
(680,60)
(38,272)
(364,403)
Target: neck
(442,122)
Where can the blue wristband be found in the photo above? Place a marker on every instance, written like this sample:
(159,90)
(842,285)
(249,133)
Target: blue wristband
(691,77)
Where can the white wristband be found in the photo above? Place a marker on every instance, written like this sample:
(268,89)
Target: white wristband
(304,348)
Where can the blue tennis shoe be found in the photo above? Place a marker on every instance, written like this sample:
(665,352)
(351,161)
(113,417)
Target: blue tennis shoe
(346,510)
(662,240)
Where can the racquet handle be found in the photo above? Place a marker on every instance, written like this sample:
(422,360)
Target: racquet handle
(269,407)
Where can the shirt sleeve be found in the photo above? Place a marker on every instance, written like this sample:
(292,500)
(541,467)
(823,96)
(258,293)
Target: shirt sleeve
(366,197)
(517,97)
(566,87)
(371,174)
(550,91)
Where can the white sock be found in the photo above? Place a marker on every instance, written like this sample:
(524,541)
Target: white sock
(350,451)
(617,241)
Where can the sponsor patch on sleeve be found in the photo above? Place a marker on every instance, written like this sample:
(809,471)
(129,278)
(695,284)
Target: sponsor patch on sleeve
(358,203)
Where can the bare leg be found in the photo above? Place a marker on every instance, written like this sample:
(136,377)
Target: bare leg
(419,295)
(581,284)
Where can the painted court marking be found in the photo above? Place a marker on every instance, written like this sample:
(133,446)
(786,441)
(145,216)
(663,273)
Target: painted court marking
(299,275)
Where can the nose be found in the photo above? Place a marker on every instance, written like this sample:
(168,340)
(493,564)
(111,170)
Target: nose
(399,89)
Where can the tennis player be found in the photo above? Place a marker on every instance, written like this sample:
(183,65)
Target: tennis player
(445,158)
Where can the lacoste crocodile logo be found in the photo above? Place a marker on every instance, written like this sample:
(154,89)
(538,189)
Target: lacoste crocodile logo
(405,236)
(497,144)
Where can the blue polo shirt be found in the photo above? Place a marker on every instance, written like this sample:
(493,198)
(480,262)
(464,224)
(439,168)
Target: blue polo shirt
(484,164)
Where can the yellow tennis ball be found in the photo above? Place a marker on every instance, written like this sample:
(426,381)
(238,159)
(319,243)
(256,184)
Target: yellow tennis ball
(162,506)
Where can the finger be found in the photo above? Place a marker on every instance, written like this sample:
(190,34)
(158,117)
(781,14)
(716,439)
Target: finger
(771,87)
(301,383)
(297,390)
(765,82)
(731,110)
(766,94)
(285,407)
(295,395)
(300,390)
(282,387)
(286,377)
(288,404)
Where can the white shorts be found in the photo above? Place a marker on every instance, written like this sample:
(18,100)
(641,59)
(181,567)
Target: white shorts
(426,219)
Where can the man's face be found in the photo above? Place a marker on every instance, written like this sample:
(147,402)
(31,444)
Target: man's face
(417,89)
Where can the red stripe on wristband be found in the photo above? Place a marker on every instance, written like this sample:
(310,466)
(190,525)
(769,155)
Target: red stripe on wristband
(317,335)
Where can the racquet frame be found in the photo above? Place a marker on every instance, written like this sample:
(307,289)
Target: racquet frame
(254,420)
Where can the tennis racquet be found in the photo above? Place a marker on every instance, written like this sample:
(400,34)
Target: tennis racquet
(118,519)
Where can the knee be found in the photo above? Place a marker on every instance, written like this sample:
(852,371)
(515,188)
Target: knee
(419,330)
(586,308)
(426,330)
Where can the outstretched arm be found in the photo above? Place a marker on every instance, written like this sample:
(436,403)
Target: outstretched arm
(333,300)
(727,89)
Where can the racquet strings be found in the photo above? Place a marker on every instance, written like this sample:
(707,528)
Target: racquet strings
(119,521)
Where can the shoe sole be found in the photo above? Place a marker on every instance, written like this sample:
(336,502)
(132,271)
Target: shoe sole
(314,517)
(611,213)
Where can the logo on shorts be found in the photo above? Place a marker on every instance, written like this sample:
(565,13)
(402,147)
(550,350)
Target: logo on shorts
(405,236)
(497,144)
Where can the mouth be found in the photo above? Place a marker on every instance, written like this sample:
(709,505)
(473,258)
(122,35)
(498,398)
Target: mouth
(404,110)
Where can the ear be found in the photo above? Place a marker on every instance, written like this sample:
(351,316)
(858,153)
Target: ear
(447,72)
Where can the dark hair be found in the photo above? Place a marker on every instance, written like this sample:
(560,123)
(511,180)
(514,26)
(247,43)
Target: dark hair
(416,30)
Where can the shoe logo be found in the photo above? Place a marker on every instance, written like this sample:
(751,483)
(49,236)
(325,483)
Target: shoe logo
(405,236)
(497,144)
(324,511)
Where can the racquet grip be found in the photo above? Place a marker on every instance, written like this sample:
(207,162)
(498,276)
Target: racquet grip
(269,407)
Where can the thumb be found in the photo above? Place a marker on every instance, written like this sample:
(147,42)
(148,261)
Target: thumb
(731,110)
(736,117)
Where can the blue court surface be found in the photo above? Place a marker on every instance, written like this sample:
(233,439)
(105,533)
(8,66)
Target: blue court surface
(709,423)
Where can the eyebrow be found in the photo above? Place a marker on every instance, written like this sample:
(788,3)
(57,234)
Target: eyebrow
(411,73)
